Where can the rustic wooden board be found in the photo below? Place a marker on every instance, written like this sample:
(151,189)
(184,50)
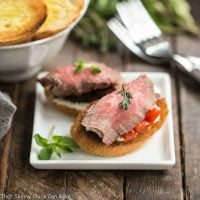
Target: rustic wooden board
(95,185)
(190,126)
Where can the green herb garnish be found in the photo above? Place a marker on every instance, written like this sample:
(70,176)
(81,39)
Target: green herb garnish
(80,65)
(95,69)
(54,144)
(124,104)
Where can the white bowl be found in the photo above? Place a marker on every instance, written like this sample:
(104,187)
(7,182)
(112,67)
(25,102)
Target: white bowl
(22,61)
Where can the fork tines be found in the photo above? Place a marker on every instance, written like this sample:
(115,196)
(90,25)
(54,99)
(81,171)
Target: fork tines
(137,20)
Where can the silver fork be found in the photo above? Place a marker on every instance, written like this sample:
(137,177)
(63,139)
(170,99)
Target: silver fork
(136,29)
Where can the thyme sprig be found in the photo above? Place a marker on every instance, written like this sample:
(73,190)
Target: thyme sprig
(124,104)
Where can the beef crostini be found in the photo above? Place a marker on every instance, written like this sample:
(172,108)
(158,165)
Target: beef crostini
(121,121)
(73,87)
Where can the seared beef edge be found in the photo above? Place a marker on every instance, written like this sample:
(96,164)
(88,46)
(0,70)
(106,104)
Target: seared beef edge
(91,96)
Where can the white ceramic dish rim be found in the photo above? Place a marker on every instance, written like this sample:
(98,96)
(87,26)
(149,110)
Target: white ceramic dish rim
(165,164)
(41,41)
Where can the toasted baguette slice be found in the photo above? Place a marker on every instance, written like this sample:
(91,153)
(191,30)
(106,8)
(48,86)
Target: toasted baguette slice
(66,106)
(92,144)
(19,20)
(61,13)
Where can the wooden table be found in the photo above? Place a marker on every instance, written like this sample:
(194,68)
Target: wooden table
(17,177)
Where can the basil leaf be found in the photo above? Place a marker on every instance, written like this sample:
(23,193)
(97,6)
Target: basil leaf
(65,148)
(51,134)
(70,144)
(95,69)
(57,138)
(54,144)
(64,140)
(56,150)
(45,153)
(40,140)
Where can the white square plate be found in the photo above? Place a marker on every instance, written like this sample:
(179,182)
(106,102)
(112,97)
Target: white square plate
(157,153)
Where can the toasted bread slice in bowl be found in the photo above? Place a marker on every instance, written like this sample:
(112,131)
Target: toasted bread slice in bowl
(19,20)
(28,58)
(61,13)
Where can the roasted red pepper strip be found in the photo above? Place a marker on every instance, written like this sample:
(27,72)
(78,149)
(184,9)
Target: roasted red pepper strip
(151,115)
(130,135)
(141,127)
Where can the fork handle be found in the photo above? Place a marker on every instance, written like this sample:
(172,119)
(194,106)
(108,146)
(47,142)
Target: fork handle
(188,64)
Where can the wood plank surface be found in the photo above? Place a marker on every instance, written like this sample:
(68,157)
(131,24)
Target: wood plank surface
(22,178)
(5,143)
(190,126)
(95,185)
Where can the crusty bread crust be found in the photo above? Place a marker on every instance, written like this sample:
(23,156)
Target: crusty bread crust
(60,106)
(61,13)
(63,108)
(19,20)
(90,143)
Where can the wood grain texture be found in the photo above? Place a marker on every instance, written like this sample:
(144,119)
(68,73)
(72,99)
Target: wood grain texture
(97,185)
(22,178)
(5,143)
(190,126)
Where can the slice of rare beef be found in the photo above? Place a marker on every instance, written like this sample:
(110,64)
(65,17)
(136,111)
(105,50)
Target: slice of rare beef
(110,121)
(64,81)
